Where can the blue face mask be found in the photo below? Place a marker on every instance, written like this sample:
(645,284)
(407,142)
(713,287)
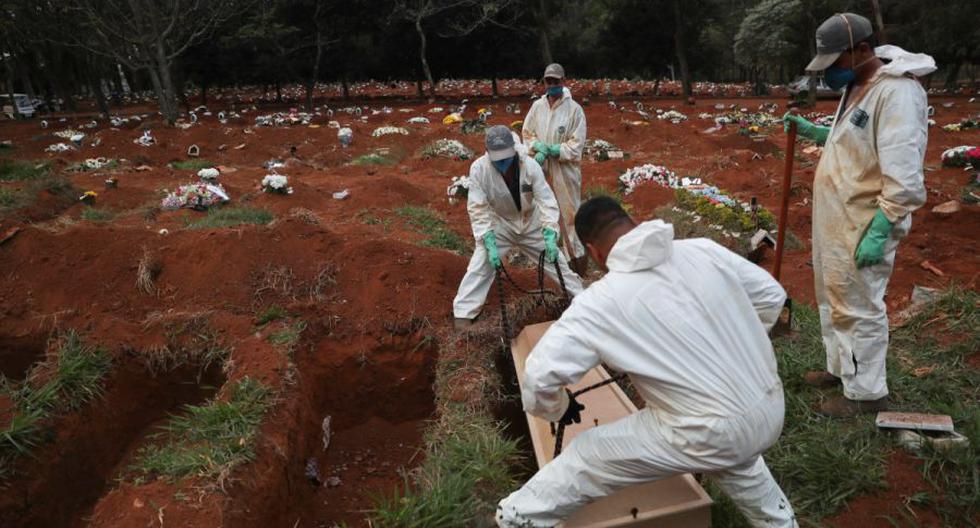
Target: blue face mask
(503,165)
(555,91)
(837,77)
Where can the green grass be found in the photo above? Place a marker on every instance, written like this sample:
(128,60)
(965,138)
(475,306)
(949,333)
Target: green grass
(8,196)
(287,336)
(824,463)
(733,218)
(69,382)
(373,159)
(429,223)
(192,164)
(16,170)
(467,469)
(220,217)
(97,215)
(270,314)
(208,440)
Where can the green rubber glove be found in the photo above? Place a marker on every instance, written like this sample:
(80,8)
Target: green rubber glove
(805,128)
(871,250)
(490,242)
(550,244)
(540,157)
(540,147)
(554,150)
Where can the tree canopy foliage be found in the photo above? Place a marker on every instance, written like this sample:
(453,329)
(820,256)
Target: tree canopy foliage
(57,48)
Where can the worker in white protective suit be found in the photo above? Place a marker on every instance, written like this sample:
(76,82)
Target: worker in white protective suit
(554,131)
(868,182)
(510,206)
(687,320)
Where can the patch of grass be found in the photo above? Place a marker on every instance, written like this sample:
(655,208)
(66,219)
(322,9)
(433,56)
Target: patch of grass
(209,440)
(231,217)
(189,339)
(369,218)
(730,217)
(467,469)
(17,170)
(373,158)
(288,336)
(823,463)
(427,222)
(192,164)
(66,383)
(270,314)
(8,196)
(97,215)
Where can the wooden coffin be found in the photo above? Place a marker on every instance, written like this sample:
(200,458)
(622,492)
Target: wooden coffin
(677,502)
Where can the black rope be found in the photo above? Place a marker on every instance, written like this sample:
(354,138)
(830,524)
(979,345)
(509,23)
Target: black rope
(559,434)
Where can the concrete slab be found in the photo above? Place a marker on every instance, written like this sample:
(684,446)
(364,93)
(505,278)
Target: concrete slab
(677,502)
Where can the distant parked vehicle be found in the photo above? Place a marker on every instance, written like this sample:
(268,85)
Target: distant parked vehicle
(801,86)
(25,106)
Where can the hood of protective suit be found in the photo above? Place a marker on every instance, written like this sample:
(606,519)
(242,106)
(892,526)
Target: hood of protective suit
(903,62)
(647,246)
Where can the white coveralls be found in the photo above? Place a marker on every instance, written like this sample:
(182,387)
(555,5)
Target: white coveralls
(687,321)
(563,123)
(491,207)
(872,159)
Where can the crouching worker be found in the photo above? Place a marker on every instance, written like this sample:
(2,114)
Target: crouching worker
(510,206)
(687,320)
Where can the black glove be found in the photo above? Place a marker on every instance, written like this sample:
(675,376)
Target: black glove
(572,411)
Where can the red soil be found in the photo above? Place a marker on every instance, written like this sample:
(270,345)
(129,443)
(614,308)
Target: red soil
(903,479)
(358,361)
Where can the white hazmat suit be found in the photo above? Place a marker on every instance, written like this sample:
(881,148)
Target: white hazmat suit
(687,321)
(562,123)
(491,207)
(872,160)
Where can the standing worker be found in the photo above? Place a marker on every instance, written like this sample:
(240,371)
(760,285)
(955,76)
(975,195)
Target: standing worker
(868,182)
(510,205)
(687,320)
(554,129)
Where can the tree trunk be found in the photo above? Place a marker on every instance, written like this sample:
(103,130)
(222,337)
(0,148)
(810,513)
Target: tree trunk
(493,88)
(425,62)
(811,86)
(680,49)
(876,11)
(316,61)
(953,74)
(10,84)
(345,86)
(96,84)
(543,40)
(204,91)
(278,90)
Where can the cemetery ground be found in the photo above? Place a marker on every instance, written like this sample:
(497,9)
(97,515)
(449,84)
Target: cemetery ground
(286,359)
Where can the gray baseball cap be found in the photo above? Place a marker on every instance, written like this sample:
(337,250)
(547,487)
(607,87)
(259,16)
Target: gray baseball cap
(836,35)
(500,143)
(554,70)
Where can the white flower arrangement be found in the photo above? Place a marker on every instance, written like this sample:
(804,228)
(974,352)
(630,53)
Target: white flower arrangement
(276,184)
(602,150)
(704,115)
(70,134)
(196,196)
(209,174)
(448,148)
(459,189)
(58,147)
(345,136)
(388,130)
(673,116)
(146,139)
(418,120)
(658,174)
(95,163)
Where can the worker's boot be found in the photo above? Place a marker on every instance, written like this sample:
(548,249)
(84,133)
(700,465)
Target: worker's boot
(820,379)
(842,407)
(460,324)
(580,265)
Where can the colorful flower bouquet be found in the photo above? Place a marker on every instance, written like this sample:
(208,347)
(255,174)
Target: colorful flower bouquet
(957,156)
(198,196)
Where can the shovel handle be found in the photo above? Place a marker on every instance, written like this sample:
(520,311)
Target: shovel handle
(784,204)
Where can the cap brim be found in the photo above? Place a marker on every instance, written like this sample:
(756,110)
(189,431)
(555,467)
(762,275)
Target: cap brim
(822,61)
(497,155)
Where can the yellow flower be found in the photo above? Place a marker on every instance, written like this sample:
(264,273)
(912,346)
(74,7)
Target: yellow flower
(93,194)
